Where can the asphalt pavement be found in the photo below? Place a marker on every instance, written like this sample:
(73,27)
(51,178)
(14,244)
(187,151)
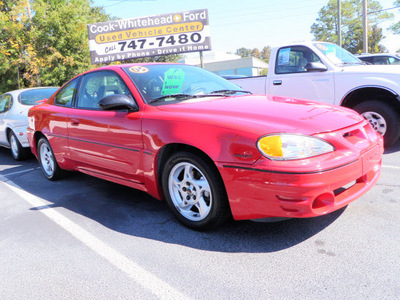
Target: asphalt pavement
(84,238)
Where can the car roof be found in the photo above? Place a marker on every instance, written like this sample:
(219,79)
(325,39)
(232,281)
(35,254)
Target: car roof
(17,92)
(378,54)
(114,67)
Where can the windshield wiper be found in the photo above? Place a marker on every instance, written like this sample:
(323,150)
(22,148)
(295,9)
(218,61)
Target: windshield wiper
(176,96)
(230,92)
(219,93)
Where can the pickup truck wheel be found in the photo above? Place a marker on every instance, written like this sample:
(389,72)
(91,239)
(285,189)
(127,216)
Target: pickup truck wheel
(47,160)
(383,118)
(194,191)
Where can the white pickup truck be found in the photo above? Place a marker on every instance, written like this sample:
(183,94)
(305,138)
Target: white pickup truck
(326,72)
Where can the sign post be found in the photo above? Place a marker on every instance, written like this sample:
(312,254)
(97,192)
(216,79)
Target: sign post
(164,34)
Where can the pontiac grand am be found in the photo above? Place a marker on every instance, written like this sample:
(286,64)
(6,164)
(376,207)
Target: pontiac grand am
(209,148)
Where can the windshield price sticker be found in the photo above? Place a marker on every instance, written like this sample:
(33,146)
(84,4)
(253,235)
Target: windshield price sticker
(149,36)
(173,81)
(284,57)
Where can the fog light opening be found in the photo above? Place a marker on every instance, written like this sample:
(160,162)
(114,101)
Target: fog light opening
(323,203)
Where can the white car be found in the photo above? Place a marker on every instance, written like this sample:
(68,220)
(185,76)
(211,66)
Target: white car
(381,58)
(14,108)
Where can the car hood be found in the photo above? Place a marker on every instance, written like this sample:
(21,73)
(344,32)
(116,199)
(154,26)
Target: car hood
(264,114)
(373,69)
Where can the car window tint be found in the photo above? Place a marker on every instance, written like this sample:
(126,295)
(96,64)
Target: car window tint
(66,94)
(294,59)
(31,97)
(381,60)
(394,61)
(5,103)
(367,59)
(97,85)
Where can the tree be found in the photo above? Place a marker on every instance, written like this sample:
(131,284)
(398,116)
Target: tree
(266,53)
(326,27)
(59,36)
(45,42)
(13,20)
(243,52)
(263,55)
(162,58)
(256,53)
(396,27)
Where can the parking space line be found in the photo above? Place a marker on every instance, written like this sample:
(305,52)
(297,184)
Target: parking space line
(19,172)
(144,278)
(390,167)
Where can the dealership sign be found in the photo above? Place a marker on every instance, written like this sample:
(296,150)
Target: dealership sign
(173,33)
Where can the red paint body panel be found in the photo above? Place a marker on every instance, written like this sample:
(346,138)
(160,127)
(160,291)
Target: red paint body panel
(124,147)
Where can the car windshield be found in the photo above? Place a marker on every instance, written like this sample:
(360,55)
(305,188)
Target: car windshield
(337,55)
(31,97)
(166,83)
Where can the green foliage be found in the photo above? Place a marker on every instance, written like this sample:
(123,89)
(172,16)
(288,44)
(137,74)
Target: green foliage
(326,27)
(263,72)
(263,55)
(45,42)
(243,52)
(256,53)
(59,36)
(396,27)
(266,53)
(163,58)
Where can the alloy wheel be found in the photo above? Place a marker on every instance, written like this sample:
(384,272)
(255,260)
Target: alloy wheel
(190,191)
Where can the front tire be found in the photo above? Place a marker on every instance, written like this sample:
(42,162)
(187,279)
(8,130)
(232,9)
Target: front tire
(47,160)
(194,191)
(383,118)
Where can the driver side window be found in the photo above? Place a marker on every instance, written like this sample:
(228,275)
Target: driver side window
(294,59)
(97,85)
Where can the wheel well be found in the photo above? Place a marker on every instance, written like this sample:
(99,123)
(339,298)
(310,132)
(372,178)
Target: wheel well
(170,149)
(37,136)
(364,94)
(8,130)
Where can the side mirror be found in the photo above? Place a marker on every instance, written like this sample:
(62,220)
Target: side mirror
(118,101)
(315,67)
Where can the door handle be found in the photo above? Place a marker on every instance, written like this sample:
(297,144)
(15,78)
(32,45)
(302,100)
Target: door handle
(277,82)
(74,122)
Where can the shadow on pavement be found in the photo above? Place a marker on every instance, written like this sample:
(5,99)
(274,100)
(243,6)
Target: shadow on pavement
(135,213)
(394,148)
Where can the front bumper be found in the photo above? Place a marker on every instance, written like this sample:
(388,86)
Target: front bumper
(263,191)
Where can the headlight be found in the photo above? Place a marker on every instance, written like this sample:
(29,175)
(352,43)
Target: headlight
(284,146)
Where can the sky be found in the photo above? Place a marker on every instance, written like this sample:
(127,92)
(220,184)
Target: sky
(246,23)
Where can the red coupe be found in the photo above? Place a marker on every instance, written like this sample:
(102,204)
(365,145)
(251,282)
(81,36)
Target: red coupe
(207,147)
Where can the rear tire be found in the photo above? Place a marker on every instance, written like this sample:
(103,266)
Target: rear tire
(383,118)
(47,160)
(17,151)
(194,191)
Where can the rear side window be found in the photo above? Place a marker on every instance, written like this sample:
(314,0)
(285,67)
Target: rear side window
(65,96)
(32,96)
(5,103)
(294,59)
(386,60)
